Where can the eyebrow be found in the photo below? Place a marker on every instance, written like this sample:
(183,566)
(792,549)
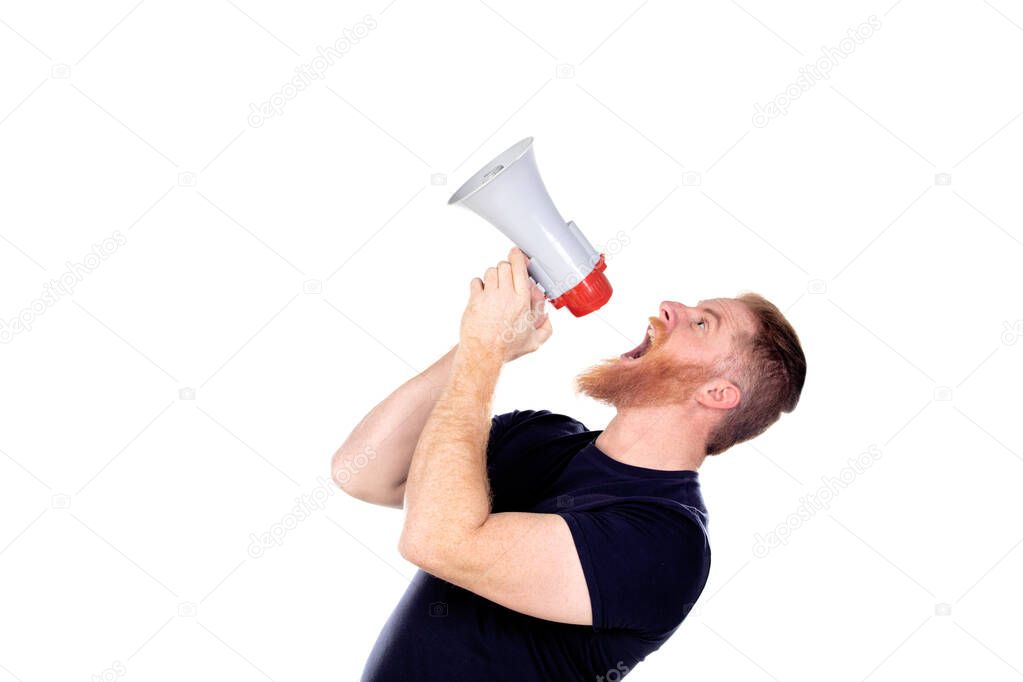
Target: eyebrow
(717,318)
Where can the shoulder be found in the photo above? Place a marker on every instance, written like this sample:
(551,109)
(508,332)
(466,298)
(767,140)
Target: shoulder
(536,416)
(538,423)
(646,562)
(653,520)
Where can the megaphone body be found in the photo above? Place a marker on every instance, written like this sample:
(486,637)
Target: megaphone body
(509,194)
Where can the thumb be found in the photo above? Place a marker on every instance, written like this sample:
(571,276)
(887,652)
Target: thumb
(546,330)
(537,305)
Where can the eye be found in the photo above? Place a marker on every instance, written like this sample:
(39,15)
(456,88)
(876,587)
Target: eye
(701,323)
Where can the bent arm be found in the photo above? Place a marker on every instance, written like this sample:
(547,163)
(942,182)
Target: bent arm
(373,462)
(525,562)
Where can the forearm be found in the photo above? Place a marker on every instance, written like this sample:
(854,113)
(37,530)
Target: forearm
(373,462)
(447,493)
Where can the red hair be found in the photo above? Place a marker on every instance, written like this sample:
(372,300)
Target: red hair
(769,368)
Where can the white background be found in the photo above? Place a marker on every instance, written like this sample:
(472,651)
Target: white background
(294,273)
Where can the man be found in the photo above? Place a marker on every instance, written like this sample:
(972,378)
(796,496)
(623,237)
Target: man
(549,551)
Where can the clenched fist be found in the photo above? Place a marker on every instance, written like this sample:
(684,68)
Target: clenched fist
(505,312)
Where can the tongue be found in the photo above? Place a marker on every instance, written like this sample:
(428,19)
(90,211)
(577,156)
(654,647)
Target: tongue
(639,350)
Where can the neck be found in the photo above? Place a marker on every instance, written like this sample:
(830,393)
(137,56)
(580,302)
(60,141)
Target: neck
(657,437)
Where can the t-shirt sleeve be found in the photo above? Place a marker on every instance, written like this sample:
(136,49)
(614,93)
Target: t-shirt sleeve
(500,424)
(520,458)
(522,427)
(645,564)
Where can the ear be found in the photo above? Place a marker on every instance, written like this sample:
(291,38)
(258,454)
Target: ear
(719,394)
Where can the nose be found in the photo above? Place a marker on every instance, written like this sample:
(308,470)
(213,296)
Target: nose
(671,313)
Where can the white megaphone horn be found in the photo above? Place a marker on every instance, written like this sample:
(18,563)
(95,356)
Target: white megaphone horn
(509,194)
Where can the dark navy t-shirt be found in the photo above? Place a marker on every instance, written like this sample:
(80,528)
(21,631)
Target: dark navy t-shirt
(641,535)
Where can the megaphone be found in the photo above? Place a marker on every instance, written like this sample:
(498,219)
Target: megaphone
(509,194)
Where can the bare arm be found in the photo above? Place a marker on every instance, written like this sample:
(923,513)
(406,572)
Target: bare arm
(523,561)
(373,462)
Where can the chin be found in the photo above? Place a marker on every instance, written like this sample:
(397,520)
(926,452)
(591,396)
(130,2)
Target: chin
(651,377)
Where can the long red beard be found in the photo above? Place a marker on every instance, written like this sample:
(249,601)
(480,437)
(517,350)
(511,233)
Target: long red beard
(657,379)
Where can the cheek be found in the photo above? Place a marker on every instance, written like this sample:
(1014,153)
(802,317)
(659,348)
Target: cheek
(681,350)
(689,350)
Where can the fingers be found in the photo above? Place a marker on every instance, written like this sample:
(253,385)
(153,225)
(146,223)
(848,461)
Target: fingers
(519,267)
(512,273)
(537,299)
(504,275)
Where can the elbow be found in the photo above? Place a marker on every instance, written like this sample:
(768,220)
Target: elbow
(345,473)
(339,473)
(413,550)
(408,548)
(343,476)
(422,549)
(438,549)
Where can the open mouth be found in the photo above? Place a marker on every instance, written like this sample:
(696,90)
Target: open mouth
(648,342)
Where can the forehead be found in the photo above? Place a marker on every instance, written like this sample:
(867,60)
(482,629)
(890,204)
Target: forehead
(735,315)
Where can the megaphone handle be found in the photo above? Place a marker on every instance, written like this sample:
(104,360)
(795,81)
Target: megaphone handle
(537,274)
